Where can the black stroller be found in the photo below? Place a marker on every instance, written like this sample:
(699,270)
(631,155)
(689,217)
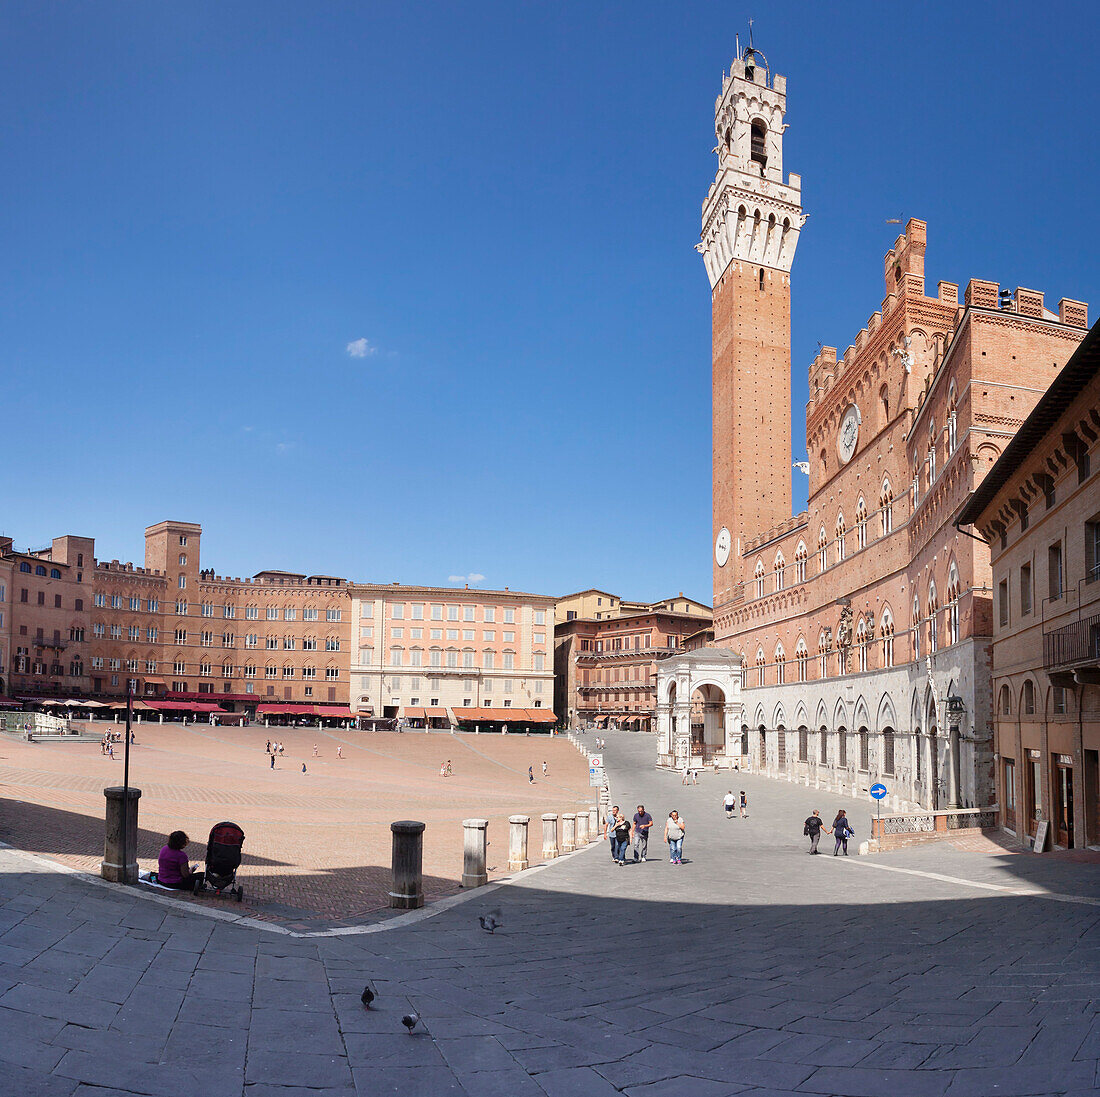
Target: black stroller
(223,858)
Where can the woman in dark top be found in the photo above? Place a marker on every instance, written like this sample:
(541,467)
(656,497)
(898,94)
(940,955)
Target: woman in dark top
(620,838)
(842,831)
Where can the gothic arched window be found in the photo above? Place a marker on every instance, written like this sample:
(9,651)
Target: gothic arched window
(861,523)
(802,658)
(886,502)
(953,605)
(800,563)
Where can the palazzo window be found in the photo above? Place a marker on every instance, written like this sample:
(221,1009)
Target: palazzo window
(802,658)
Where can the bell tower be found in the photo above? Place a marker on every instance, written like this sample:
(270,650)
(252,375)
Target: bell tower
(751,222)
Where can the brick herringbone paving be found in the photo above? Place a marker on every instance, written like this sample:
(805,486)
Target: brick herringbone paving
(749,969)
(317,843)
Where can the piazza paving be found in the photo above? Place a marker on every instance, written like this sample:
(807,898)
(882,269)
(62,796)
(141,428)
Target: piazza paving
(750,969)
(317,843)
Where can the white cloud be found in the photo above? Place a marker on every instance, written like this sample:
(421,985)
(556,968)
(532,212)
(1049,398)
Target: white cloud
(361,348)
(283,447)
(472,579)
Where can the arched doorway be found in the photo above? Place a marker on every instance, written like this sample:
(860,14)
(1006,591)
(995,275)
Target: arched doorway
(762,737)
(708,723)
(781,746)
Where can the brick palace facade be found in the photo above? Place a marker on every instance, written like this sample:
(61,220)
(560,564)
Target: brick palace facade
(856,634)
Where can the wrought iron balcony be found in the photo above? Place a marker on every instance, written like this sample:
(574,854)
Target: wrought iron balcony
(1074,645)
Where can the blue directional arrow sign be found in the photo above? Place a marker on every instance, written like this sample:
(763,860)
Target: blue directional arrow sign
(878,791)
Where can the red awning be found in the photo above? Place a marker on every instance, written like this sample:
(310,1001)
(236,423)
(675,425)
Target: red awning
(337,712)
(182,706)
(540,716)
(436,713)
(414,713)
(501,715)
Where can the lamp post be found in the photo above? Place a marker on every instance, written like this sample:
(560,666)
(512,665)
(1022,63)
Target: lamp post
(126,769)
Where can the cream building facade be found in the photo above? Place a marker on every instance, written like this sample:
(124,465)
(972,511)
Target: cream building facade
(442,654)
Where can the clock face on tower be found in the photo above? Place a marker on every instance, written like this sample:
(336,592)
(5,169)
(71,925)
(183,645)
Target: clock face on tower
(848,435)
(722,547)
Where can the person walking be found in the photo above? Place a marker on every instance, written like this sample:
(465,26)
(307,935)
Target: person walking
(744,805)
(531,774)
(273,761)
(642,822)
(314,750)
(686,776)
(267,749)
(339,752)
(544,769)
(729,802)
(675,828)
(620,837)
(694,776)
(813,828)
(609,828)
(842,831)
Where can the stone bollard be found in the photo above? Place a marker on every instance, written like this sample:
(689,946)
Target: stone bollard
(408,865)
(549,836)
(582,829)
(568,832)
(475,834)
(120,866)
(594,822)
(517,842)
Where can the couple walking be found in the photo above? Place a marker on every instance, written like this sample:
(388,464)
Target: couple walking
(622,831)
(841,830)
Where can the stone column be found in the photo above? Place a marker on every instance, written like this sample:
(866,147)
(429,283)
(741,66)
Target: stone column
(582,829)
(568,832)
(119,865)
(475,834)
(549,836)
(408,863)
(593,825)
(517,842)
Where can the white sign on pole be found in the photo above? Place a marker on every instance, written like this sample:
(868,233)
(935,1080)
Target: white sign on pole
(595,761)
(595,777)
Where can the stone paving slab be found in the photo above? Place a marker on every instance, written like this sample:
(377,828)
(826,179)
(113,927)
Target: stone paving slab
(752,969)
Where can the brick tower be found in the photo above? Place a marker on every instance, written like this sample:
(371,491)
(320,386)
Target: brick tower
(751,221)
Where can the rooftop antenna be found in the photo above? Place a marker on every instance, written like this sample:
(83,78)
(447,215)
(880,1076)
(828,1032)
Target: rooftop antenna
(750,32)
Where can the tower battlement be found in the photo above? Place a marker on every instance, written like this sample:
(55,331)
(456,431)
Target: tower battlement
(750,215)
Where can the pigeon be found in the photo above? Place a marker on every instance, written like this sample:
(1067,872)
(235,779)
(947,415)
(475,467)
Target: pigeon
(410,1021)
(491,921)
(367,997)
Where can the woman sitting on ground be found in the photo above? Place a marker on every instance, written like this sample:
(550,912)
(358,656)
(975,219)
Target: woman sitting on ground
(173,868)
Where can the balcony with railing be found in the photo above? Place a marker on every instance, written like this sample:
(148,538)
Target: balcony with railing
(1073,645)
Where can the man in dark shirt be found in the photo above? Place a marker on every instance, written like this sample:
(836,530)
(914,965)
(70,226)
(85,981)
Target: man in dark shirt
(642,822)
(813,828)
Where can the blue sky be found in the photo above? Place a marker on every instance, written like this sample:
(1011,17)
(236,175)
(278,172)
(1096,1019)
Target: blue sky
(202,206)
